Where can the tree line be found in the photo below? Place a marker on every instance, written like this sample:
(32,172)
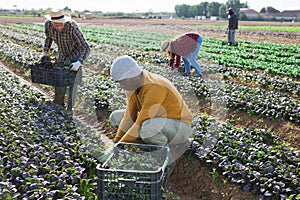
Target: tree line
(208,9)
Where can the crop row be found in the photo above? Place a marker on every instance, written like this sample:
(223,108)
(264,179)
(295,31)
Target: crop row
(270,67)
(44,152)
(255,49)
(247,161)
(255,159)
(100,91)
(254,101)
(274,58)
(147,38)
(24,37)
(274,83)
(270,104)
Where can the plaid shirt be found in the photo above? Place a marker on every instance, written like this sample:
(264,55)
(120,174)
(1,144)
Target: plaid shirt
(70,41)
(185,44)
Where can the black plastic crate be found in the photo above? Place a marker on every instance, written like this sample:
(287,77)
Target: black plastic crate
(58,77)
(124,175)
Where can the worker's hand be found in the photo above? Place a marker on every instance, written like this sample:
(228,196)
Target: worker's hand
(75,66)
(44,54)
(44,57)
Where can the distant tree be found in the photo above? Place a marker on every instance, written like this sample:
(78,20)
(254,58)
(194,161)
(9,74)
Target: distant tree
(272,10)
(204,6)
(34,12)
(202,10)
(234,4)
(209,9)
(183,10)
(223,11)
(269,9)
(146,14)
(197,10)
(190,12)
(67,9)
(263,10)
(244,5)
(213,9)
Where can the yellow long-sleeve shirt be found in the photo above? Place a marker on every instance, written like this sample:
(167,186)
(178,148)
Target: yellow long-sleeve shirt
(156,98)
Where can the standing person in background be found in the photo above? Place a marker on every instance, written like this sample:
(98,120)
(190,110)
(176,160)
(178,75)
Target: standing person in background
(232,25)
(186,46)
(72,46)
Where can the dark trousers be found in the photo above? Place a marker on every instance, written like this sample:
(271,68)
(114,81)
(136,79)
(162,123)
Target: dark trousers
(60,93)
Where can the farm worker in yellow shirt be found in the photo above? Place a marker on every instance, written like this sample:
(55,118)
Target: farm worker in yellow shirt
(155,112)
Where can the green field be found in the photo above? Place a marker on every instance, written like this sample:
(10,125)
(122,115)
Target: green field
(246,114)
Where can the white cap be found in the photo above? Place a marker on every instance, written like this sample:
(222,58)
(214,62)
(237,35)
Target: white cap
(124,67)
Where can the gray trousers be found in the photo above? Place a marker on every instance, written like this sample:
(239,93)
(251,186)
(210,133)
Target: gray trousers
(231,36)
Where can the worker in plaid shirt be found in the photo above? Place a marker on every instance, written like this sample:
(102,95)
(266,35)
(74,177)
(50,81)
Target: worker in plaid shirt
(186,46)
(72,46)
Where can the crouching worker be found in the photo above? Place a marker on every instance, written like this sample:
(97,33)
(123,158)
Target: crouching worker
(155,112)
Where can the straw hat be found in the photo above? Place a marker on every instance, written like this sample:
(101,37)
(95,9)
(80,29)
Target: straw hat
(57,15)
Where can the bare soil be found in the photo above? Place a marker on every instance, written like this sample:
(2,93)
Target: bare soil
(192,179)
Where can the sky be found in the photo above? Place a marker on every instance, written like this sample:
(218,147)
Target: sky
(137,5)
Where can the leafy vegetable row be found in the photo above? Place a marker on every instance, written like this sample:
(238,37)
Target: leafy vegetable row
(44,152)
(264,80)
(107,95)
(254,101)
(270,67)
(274,58)
(256,159)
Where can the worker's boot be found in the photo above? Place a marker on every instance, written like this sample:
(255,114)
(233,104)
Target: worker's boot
(59,97)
